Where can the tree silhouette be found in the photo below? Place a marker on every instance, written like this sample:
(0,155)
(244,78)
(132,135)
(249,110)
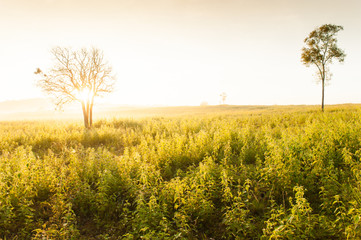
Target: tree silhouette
(78,75)
(321,49)
(223,96)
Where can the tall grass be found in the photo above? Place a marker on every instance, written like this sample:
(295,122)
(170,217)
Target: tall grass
(272,175)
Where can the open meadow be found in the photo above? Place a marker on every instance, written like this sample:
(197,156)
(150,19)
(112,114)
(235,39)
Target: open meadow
(214,172)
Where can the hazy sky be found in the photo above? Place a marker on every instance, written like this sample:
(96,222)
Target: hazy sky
(184,52)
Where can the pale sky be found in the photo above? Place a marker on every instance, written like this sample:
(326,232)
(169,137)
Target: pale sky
(184,52)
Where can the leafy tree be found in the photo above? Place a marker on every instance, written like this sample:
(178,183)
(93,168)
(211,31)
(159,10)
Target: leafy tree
(77,76)
(321,49)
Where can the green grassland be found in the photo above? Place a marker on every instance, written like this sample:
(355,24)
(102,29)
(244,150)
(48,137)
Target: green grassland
(215,172)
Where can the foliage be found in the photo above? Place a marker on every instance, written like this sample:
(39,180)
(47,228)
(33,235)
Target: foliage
(321,49)
(220,176)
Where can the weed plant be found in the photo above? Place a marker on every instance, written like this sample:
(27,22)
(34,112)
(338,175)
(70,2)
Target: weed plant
(275,175)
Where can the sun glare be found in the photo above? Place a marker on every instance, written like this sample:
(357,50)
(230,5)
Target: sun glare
(83,95)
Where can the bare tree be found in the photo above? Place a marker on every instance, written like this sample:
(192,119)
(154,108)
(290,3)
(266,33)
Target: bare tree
(321,49)
(223,96)
(79,76)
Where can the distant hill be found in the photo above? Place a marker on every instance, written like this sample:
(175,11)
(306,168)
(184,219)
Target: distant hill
(30,109)
(44,109)
(27,105)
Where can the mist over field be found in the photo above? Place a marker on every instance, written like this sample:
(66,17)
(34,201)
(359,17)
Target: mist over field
(43,109)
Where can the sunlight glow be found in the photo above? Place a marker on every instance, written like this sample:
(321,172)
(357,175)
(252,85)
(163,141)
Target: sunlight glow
(83,95)
(177,53)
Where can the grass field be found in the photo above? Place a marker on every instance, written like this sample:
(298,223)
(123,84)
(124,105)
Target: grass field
(215,172)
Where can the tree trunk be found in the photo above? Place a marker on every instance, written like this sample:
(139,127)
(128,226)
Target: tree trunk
(91,112)
(88,111)
(323,95)
(323,78)
(85,115)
